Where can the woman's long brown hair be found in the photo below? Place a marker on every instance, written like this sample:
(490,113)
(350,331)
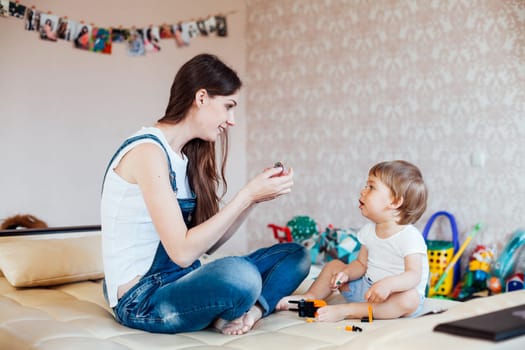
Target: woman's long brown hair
(207,72)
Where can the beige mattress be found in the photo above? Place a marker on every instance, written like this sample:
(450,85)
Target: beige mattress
(75,316)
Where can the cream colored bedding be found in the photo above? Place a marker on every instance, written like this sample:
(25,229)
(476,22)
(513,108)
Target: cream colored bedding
(75,316)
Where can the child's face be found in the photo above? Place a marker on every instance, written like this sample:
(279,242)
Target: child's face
(375,201)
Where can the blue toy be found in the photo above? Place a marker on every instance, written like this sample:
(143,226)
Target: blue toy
(336,243)
(508,259)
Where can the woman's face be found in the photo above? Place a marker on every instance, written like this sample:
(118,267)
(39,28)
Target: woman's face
(215,115)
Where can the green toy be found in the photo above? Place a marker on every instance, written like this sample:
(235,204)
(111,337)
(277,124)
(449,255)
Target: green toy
(302,228)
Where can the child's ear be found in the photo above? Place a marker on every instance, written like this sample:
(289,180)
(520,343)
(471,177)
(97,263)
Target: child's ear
(396,203)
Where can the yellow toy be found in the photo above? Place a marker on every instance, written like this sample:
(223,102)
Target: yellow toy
(456,257)
(440,254)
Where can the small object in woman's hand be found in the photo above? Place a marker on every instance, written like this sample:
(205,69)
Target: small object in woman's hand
(279,165)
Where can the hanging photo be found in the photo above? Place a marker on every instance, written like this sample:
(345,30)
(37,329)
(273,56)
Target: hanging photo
(151,39)
(17,10)
(201,25)
(4,8)
(119,35)
(87,37)
(64,30)
(166,31)
(29,19)
(181,39)
(81,34)
(48,27)
(220,22)
(211,24)
(36,20)
(101,39)
(135,43)
(190,30)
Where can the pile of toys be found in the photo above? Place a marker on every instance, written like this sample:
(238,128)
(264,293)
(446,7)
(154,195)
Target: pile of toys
(487,273)
(331,243)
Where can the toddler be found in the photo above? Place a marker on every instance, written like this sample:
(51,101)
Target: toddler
(391,271)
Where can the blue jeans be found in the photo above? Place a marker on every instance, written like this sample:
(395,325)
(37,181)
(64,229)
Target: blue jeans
(190,299)
(172,299)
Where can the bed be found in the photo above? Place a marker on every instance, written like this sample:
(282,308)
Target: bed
(51,298)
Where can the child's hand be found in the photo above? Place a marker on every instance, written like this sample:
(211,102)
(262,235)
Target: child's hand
(378,292)
(338,280)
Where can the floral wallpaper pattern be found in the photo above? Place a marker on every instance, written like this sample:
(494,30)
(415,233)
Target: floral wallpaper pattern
(335,86)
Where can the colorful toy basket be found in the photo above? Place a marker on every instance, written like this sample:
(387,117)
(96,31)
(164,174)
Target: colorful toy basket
(440,253)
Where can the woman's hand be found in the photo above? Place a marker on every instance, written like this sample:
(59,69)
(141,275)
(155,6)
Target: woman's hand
(270,184)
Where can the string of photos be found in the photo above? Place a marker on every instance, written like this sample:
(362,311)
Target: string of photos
(97,39)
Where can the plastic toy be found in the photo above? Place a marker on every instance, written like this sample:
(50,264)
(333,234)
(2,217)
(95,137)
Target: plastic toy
(477,277)
(333,243)
(302,227)
(370,317)
(440,254)
(353,328)
(307,308)
(457,256)
(337,243)
(494,285)
(515,282)
(508,258)
(298,229)
(281,233)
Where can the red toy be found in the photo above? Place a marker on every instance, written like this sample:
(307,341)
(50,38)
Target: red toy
(515,282)
(285,236)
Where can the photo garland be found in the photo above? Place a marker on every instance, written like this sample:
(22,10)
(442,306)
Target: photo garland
(96,39)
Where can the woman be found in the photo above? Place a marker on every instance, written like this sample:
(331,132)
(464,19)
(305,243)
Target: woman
(160,213)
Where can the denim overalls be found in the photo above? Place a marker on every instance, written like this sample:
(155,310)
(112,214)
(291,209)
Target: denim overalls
(173,299)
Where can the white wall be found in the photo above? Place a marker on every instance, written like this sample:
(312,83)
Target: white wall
(63,111)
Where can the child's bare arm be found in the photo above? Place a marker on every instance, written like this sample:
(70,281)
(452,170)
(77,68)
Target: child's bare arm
(352,271)
(381,290)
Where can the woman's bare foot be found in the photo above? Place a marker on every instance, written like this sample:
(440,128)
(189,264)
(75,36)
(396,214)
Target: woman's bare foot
(284,303)
(240,325)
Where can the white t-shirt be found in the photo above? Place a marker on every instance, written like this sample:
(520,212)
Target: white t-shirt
(386,256)
(129,239)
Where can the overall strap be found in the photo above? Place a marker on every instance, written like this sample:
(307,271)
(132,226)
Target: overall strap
(134,139)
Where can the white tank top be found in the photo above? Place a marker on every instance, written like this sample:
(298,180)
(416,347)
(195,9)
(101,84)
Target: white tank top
(129,239)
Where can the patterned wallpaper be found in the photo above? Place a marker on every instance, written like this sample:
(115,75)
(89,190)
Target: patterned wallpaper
(336,86)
